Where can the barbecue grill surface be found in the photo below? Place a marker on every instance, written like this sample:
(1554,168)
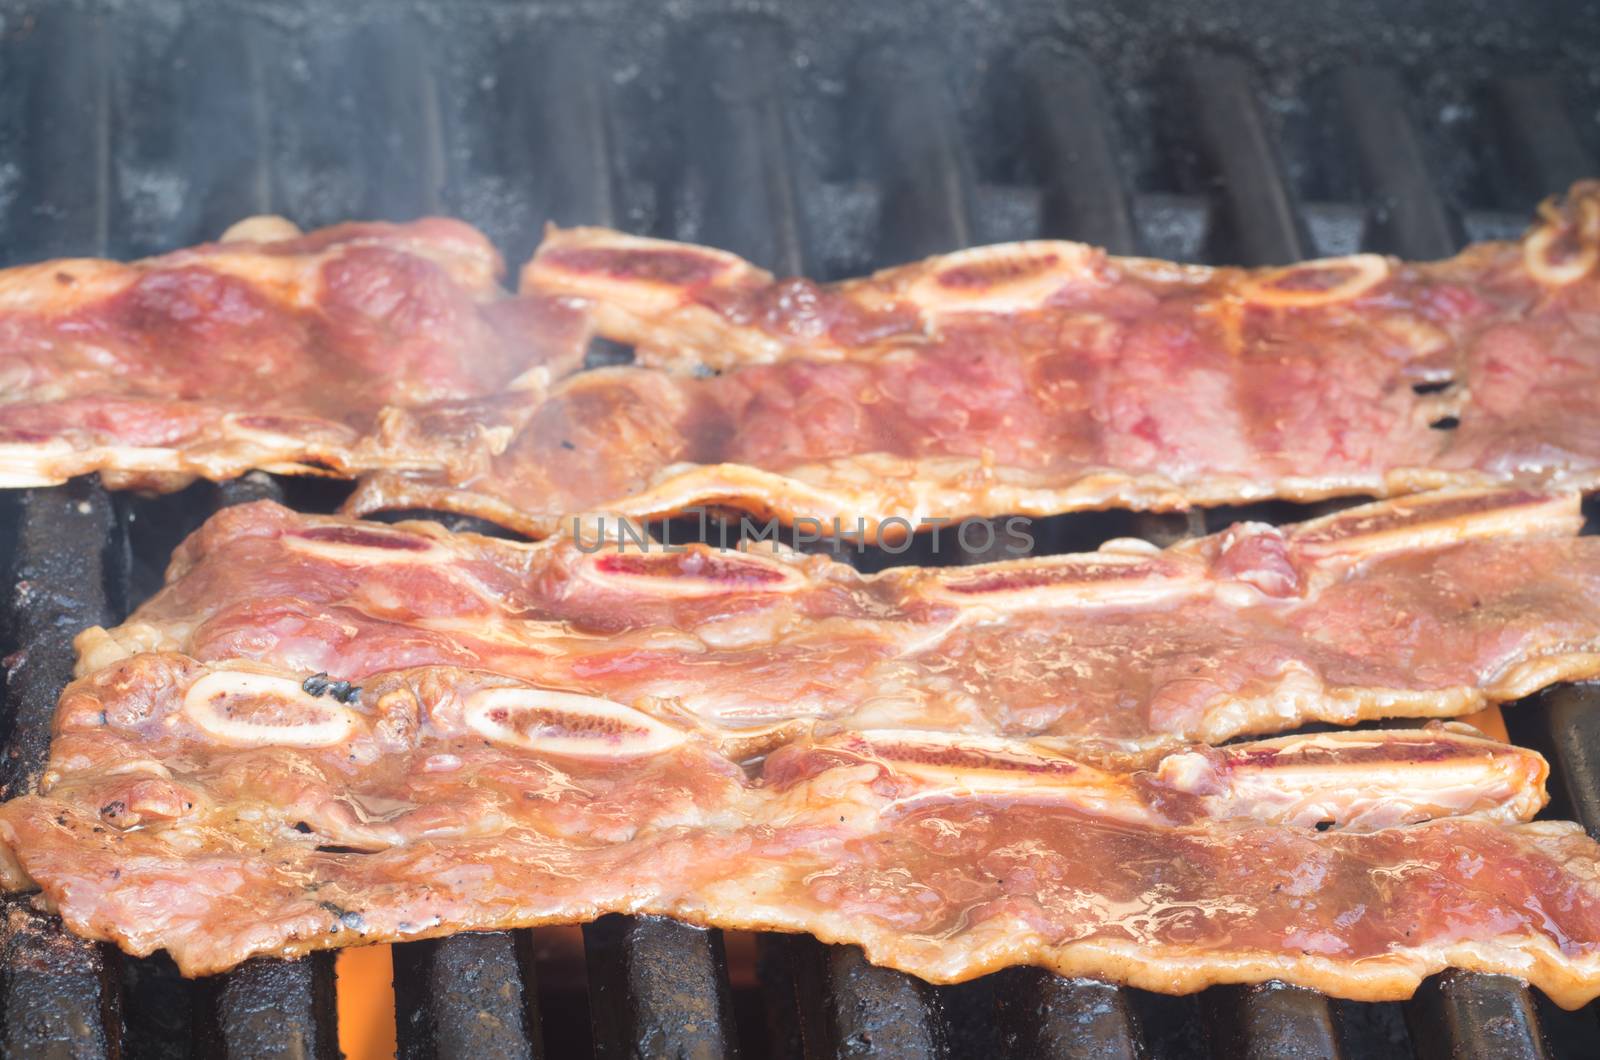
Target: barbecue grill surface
(826,137)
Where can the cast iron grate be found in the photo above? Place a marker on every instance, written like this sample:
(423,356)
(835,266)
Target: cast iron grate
(126,133)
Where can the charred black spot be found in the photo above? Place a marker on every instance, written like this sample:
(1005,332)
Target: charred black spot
(320,684)
(114,808)
(567,445)
(328,848)
(347,917)
(1323,826)
(1445,423)
(1432,386)
(302,828)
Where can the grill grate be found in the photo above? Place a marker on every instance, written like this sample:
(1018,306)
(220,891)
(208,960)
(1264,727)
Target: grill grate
(467,995)
(127,133)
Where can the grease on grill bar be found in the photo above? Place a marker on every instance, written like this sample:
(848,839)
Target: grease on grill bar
(472,995)
(71,201)
(658,988)
(269,1008)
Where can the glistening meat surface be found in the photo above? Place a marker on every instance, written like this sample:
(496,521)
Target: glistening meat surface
(1426,606)
(351,347)
(1048,377)
(219,812)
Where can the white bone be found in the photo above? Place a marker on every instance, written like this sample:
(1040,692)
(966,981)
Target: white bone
(319,724)
(564,723)
(1366,271)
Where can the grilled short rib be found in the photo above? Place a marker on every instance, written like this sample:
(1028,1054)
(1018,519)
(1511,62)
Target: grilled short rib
(350,347)
(1039,378)
(222,810)
(1433,605)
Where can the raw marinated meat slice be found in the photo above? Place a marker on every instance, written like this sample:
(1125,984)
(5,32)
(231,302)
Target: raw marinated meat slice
(1433,605)
(1048,377)
(222,811)
(347,348)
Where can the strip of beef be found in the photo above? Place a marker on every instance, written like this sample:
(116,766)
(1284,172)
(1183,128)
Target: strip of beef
(1434,605)
(351,347)
(1048,377)
(221,811)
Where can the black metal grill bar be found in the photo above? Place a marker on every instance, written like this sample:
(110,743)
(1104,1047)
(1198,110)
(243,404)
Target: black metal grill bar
(60,581)
(1085,199)
(217,81)
(1045,1016)
(1072,139)
(1563,724)
(553,85)
(1545,153)
(58,993)
(926,189)
(849,1008)
(271,1009)
(1572,729)
(658,988)
(737,129)
(1270,1020)
(1259,216)
(376,149)
(925,175)
(471,995)
(1542,149)
(742,162)
(254,486)
(62,70)
(1463,1016)
(1410,216)
(908,133)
